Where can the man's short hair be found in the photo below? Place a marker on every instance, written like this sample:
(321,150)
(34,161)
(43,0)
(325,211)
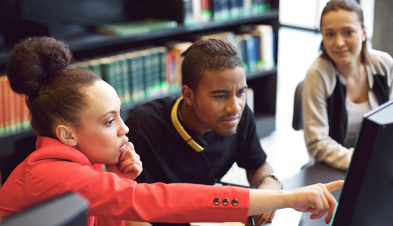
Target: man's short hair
(207,55)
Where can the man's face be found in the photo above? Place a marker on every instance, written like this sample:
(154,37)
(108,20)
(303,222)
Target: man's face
(219,101)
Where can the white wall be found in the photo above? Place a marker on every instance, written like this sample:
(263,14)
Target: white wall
(307,13)
(301,13)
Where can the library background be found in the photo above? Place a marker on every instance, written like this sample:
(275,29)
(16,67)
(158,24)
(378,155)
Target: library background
(135,46)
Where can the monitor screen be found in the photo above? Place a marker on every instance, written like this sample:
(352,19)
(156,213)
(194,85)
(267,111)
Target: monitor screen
(367,195)
(69,209)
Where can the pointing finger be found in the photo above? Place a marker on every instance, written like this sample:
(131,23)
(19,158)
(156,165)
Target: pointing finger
(334,185)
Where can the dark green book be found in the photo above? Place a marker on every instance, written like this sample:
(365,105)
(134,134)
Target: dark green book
(163,70)
(108,71)
(156,78)
(125,78)
(135,27)
(147,71)
(137,79)
(118,76)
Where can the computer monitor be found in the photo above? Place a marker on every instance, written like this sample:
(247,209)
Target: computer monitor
(367,195)
(69,209)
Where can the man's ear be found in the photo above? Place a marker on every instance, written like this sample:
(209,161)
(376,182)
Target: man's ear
(66,135)
(188,95)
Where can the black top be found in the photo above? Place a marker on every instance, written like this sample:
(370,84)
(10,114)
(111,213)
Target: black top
(336,107)
(168,158)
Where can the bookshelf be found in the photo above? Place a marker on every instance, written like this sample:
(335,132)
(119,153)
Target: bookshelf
(87,44)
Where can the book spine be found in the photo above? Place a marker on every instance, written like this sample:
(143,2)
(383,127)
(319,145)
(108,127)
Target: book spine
(155,72)
(268,5)
(188,12)
(240,4)
(216,10)
(107,69)
(196,8)
(254,7)
(205,11)
(118,76)
(258,49)
(140,77)
(265,5)
(233,9)
(163,70)
(147,68)
(171,71)
(267,46)
(250,49)
(178,64)
(224,9)
(242,44)
(18,112)
(132,61)
(129,59)
(247,7)
(237,44)
(25,114)
(11,109)
(125,73)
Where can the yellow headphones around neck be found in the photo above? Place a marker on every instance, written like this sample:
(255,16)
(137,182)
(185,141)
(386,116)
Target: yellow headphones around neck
(179,128)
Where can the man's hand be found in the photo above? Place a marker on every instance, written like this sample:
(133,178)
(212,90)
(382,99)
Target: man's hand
(316,199)
(268,184)
(129,165)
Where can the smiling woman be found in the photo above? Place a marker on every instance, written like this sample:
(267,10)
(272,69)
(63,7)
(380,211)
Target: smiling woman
(346,81)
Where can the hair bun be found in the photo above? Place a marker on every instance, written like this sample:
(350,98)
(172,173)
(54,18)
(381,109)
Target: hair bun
(34,61)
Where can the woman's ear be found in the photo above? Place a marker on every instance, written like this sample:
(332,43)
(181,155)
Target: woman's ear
(364,33)
(66,135)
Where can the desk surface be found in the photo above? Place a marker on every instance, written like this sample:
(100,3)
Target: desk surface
(317,173)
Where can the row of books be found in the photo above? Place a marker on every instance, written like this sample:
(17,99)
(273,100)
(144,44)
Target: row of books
(140,73)
(197,11)
(193,12)
(14,114)
(255,45)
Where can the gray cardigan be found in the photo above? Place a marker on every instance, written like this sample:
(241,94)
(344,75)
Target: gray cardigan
(324,110)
